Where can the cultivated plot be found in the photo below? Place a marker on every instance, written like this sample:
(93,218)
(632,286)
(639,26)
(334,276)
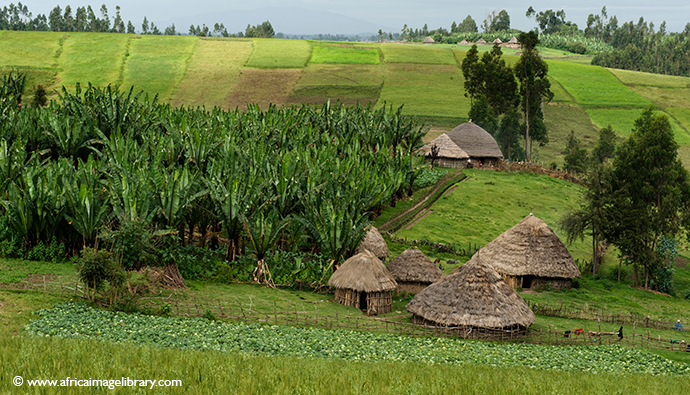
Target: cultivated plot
(594,86)
(425,90)
(92,57)
(489,203)
(649,79)
(665,97)
(350,84)
(560,95)
(623,121)
(279,54)
(262,87)
(344,53)
(156,64)
(212,72)
(33,49)
(682,115)
(561,119)
(413,53)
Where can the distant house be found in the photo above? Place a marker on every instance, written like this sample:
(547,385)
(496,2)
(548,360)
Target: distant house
(428,40)
(477,143)
(497,41)
(449,154)
(512,43)
(482,42)
(530,255)
(413,271)
(465,42)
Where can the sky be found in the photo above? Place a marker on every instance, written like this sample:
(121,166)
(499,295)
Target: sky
(388,14)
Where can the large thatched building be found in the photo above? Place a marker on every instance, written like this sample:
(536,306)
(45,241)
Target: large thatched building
(374,242)
(364,282)
(413,271)
(530,255)
(449,154)
(477,142)
(474,302)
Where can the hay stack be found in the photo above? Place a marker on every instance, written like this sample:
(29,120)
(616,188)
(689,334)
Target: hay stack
(364,282)
(413,271)
(530,255)
(475,300)
(373,241)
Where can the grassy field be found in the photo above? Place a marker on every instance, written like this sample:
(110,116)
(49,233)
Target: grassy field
(213,71)
(95,58)
(561,119)
(263,87)
(403,53)
(623,122)
(344,54)
(594,86)
(279,54)
(638,78)
(425,90)
(156,64)
(33,49)
(348,83)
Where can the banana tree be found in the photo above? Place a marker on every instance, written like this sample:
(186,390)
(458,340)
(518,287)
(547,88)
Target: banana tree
(87,201)
(263,232)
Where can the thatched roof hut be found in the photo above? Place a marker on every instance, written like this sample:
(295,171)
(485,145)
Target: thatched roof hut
(497,41)
(373,241)
(482,42)
(513,40)
(530,255)
(413,271)
(477,142)
(449,154)
(428,40)
(474,301)
(465,42)
(364,282)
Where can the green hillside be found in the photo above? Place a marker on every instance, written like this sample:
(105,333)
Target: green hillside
(426,79)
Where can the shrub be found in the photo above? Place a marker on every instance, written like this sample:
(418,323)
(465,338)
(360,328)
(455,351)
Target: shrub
(95,268)
(53,252)
(428,177)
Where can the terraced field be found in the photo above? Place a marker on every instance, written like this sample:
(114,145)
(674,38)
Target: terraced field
(426,79)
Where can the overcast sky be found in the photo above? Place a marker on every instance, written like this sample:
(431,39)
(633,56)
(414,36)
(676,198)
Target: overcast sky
(387,13)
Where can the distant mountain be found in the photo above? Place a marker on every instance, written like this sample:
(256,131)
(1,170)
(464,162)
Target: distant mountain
(288,20)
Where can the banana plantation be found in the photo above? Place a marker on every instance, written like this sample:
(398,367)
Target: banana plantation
(98,165)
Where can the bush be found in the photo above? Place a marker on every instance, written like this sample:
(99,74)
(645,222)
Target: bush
(95,268)
(575,283)
(54,252)
(428,177)
(10,244)
(194,263)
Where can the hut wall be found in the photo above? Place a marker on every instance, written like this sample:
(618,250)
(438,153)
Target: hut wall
(379,302)
(411,287)
(486,162)
(556,283)
(347,297)
(448,162)
(474,332)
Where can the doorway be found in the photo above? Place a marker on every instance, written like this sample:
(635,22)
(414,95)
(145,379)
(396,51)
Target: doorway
(362,300)
(527,282)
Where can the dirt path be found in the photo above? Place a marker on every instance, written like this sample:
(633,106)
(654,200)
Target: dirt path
(422,214)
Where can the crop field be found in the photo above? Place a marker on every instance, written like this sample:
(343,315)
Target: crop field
(489,203)
(95,58)
(403,53)
(561,119)
(279,54)
(665,97)
(594,86)
(263,87)
(425,90)
(345,54)
(638,78)
(560,95)
(33,49)
(681,114)
(623,121)
(349,83)
(213,72)
(156,64)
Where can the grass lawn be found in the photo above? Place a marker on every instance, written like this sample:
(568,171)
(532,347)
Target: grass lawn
(415,53)
(212,73)
(34,49)
(156,64)
(561,119)
(425,90)
(345,54)
(279,54)
(623,122)
(92,57)
(594,86)
(489,203)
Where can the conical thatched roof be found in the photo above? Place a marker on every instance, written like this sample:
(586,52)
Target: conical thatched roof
(530,248)
(513,40)
(413,266)
(473,295)
(482,42)
(428,40)
(447,148)
(363,272)
(498,41)
(373,241)
(474,140)
(464,42)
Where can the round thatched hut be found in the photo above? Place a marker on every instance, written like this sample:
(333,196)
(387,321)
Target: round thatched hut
(477,142)
(428,40)
(465,42)
(473,301)
(449,154)
(364,282)
(530,255)
(373,241)
(481,41)
(413,271)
